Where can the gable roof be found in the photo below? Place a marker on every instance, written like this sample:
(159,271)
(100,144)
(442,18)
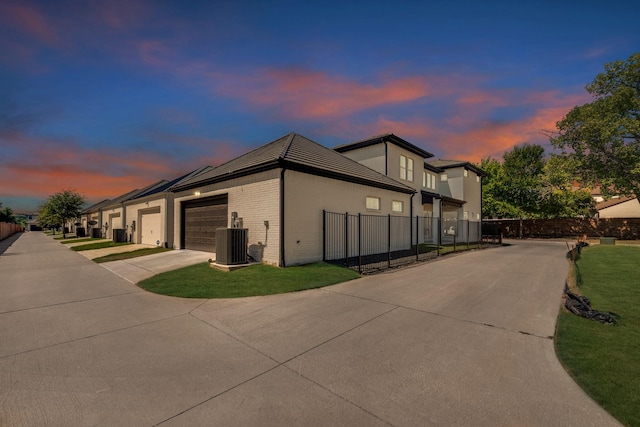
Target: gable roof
(166,185)
(449,164)
(295,152)
(389,137)
(613,202)
(95,207)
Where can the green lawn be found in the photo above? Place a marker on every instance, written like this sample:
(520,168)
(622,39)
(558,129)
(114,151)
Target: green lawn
(605,360)
(80,240)
(98,245)
(130,254)
(202,281)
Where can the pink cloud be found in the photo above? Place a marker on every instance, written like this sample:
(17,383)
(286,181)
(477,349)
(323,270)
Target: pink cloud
(30,21)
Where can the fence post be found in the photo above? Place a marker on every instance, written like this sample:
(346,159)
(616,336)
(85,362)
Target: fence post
(417,238)
(439,239)
(359,243)
(346,239)
(389,241)
(324,235)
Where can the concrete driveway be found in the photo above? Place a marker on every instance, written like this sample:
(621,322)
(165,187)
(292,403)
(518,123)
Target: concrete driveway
(462,341)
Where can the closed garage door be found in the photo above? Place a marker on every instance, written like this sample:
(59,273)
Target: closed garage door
(200,219)
(150,223)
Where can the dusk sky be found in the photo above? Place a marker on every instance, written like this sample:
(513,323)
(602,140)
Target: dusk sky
(103,97)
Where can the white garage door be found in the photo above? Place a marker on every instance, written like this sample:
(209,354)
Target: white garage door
(150,233)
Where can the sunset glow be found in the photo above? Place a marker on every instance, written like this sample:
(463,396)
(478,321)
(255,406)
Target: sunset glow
(107,97)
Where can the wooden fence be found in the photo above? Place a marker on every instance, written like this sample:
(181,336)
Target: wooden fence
(7,230)
(620,228)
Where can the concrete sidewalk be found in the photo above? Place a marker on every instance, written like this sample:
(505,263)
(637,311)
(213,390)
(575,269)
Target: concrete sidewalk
(462,341)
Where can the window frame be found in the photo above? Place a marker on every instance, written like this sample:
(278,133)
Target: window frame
(372,198)
(395,203)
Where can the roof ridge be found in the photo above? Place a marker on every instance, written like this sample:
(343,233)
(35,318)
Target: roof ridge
(287,145)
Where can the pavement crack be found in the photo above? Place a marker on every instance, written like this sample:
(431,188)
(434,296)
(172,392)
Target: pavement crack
(137,325)
(71,302)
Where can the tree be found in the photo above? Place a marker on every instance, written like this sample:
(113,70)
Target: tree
(523,167)
(528,185)
(6,215)
(61,208)
(494,192)
(603,136)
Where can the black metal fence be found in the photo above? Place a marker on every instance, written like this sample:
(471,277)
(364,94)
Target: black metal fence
(374,242)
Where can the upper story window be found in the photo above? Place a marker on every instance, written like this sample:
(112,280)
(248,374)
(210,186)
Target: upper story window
(443,177)
(373,203)
(397,206)
(428,180)
(466,173)
(477,178)
(406,168)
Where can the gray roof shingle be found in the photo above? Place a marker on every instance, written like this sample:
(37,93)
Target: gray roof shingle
(294,151)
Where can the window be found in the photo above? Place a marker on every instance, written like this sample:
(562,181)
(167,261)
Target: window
(397,206)
(443,177)
(466,216)
(466,173)
(406,168)
(478,216)
(477,178)
(424,179)
(373,203)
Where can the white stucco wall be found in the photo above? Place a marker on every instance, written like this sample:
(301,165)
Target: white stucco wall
(305,198)
(371,156)
(135,210)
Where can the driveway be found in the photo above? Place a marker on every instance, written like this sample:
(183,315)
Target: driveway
(465,340)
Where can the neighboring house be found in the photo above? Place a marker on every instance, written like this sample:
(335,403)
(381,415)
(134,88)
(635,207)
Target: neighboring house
(619,207)
(149,214)
(92,213)
(278,192)
(113,215)
(30,220)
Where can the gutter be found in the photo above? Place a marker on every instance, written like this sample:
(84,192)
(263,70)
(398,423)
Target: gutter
(282,227)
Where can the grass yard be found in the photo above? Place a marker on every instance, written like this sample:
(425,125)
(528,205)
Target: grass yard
(131,254)
(98,245)
(202,281)
(80,240)
(605,360)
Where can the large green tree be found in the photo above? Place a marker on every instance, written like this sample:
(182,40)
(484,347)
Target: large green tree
(60,208)
(529,185)
(603,136)
(523,167)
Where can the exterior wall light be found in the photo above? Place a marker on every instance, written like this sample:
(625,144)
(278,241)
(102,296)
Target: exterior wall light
(197,193)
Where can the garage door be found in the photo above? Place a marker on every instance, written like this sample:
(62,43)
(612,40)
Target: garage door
(150,223)
(200,219)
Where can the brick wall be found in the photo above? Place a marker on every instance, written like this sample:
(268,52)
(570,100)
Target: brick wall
(621,228)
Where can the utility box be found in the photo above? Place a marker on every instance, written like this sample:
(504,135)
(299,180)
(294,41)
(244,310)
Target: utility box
(80,232)
(96,233)
(119,235)
(231,246)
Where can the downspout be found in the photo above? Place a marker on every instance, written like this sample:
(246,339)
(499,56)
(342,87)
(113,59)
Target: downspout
(282,258)
(386,157)
(411,217)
